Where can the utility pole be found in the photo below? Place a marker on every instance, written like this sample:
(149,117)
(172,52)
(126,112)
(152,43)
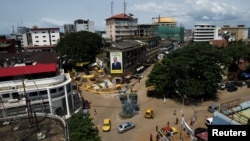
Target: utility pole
(28,106)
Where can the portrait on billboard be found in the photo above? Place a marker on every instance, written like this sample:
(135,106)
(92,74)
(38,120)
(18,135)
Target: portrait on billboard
(116,65)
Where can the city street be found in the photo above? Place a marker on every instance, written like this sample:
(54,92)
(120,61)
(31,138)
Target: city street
(109,106)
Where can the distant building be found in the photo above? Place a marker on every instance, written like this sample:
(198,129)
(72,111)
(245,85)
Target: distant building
(146,30)
(84,25)
(45,36)
(237,33)
(7,45)
(121,26)
(69,28)
(205,32)
(166,29)
(164,21)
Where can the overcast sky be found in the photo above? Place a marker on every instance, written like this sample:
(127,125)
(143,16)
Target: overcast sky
(56,13)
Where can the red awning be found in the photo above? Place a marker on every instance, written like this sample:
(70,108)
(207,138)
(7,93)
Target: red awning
(30,69)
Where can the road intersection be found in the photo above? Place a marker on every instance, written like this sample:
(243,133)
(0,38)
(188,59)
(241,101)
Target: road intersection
(109,106)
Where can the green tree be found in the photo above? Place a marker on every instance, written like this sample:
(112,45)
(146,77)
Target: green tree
(195,67)
(81,128)
(80,46)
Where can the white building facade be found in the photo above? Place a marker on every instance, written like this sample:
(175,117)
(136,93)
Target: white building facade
(84,25)
(45,36)
(53,95)
(205,32)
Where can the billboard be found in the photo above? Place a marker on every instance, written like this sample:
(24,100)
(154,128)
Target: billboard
(116,64)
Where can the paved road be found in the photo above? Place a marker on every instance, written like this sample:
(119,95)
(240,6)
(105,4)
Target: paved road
(109,106)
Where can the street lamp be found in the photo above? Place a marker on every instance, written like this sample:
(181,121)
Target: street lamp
(182,97)
(182,114)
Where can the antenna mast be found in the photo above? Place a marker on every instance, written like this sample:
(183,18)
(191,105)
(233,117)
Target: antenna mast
(112,4)
(124,6)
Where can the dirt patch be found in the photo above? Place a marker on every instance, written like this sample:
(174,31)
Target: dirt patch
(21,130)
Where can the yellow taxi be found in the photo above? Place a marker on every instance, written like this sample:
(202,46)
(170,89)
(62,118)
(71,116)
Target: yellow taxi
(149,113)
(106,125)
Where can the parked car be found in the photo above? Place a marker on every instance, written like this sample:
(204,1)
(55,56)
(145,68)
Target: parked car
(212,108)
(209,121)
(125,126)
(231,88)
(86,104)
(106,126)
(238,83)
(138,76)
(167,131)
(222,86)
(149,113)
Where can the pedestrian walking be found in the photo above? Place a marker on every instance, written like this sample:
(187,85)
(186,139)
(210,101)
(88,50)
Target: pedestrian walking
(95,111)
(176,121)
(151,137)
(156,128)
(168,123)
(157,137)
(174,112)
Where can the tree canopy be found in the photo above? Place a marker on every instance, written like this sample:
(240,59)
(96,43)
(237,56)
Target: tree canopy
(81,128)
(80,46)
(194,70)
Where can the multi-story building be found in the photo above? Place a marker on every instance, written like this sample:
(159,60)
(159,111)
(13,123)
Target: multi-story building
(44,36)
(69,28)
(237,33)
(134,55)
(27,86)
(205,32)
(121,26)
(166,29)
(84,25)
(146,30)
(7,45)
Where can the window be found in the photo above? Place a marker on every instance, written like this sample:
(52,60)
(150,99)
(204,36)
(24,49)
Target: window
(68,88)
(53,91)
(36,36)
(60,89)
(5,95)
(15,95)
(44,41)
(33,94)
(43,92)
(44,36)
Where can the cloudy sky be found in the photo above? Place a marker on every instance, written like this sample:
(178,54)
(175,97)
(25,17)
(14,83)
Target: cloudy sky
(56,13)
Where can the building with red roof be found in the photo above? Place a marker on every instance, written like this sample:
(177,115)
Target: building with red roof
(120,26)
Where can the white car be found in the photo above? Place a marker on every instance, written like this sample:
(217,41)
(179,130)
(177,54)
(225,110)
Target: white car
(125,126)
